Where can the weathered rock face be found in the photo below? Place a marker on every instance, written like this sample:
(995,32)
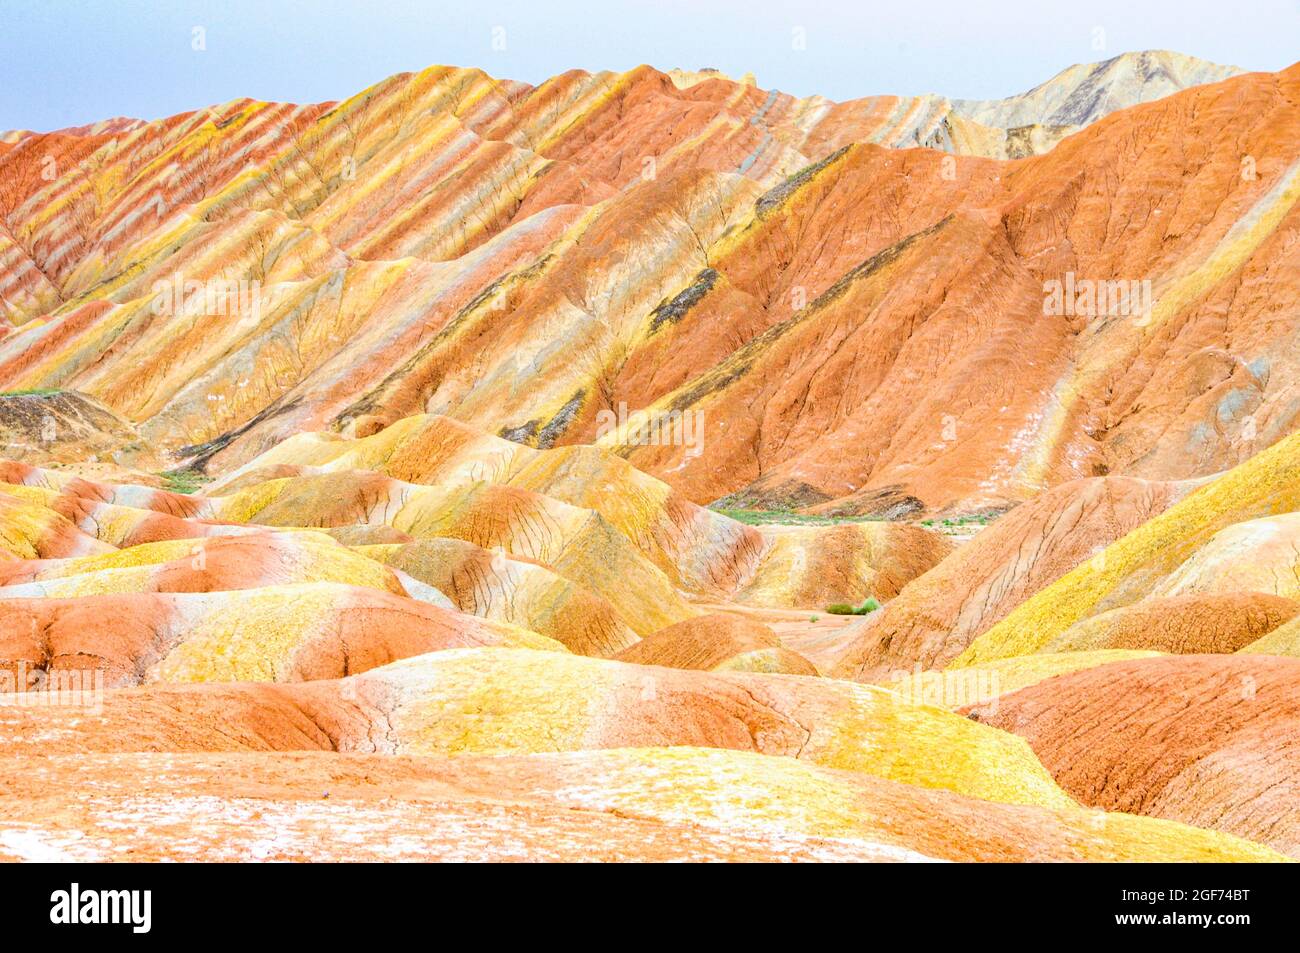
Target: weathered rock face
(585,512)
(1219,531)
(937,358)
(272,633)
(807,317)
(514,590)
(517,701)
(487,531)
(1207,740)
(57,427)
(1181,625)
(942,611)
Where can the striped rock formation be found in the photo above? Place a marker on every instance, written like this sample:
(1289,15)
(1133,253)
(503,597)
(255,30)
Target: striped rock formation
(1211,574)
(1234,527)
(513,701)
(273,633)
(209,565)
(274,600)
(942,611)
(1182,625)
(472,389)
(1082,94)
(1203,739)
(511,589)
(562,507)
(609,257)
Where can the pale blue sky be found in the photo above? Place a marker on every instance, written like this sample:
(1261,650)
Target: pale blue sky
(68,63)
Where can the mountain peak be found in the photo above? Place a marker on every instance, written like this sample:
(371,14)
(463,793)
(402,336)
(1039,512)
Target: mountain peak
(1085,92)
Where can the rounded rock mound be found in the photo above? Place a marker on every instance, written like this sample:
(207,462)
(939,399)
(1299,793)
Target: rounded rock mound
(1181,625)
(718,642)
(1208,740)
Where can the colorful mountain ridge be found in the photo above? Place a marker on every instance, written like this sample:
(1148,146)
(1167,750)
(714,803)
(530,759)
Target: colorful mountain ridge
(649,465)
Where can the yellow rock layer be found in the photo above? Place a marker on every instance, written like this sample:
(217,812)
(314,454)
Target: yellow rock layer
(713,787)
(1266,484)
(981,685)
(490,701)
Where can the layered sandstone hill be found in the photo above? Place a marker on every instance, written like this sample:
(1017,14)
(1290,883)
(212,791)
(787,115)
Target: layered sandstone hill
(1203,739)
(1155,675)
(836,324)
(64,428)
(583,510)
(757,766)
(1228,549)
(1094,572)
(718,642)
(273,633)
(935,618)
(303,554)
(353,677)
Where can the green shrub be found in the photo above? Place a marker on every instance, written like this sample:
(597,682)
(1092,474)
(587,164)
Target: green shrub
(184,481)
(843,608)
(789,517)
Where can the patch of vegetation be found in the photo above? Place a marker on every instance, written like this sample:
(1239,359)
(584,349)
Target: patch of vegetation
(791,518)
(843,608)
(981,519)
(184,481)
(32,392)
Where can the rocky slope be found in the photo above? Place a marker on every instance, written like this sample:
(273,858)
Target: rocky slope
(711,255)
(1084,93)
